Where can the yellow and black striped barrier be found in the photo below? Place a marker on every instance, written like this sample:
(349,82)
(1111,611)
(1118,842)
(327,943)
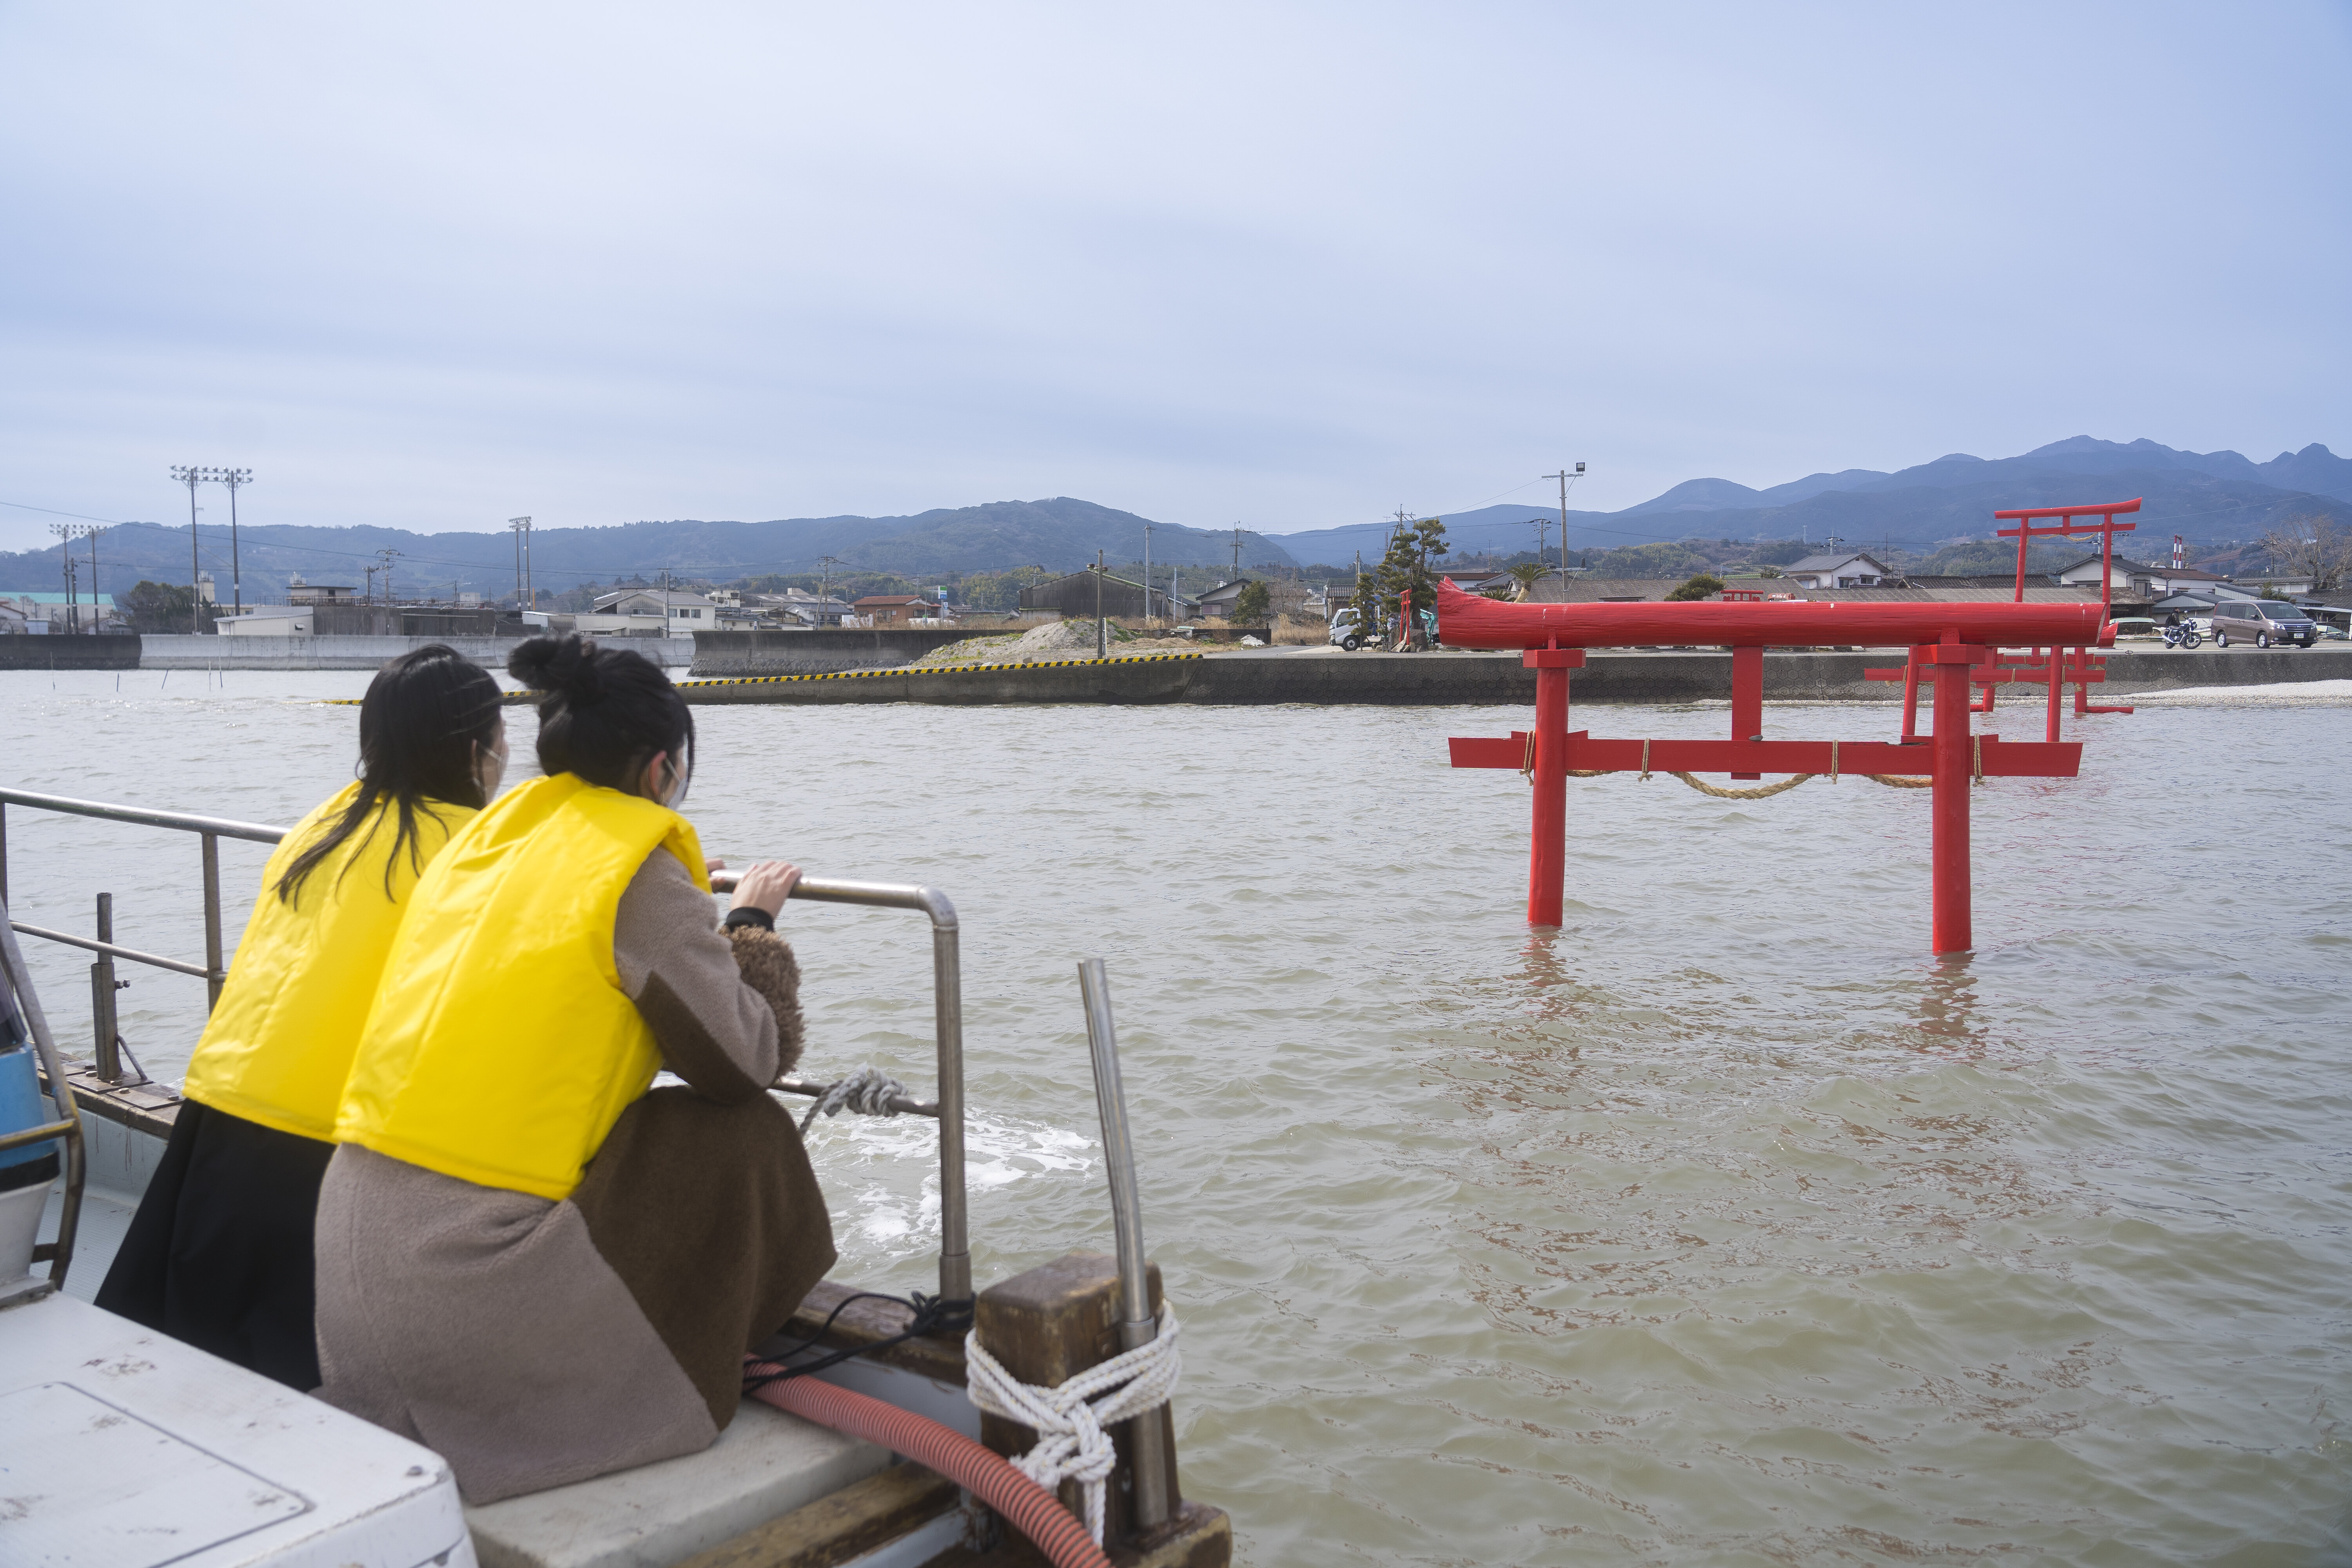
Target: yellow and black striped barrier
(513,698)
(937,670)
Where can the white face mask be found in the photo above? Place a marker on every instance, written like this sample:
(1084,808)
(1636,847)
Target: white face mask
(490,763)
(673,783)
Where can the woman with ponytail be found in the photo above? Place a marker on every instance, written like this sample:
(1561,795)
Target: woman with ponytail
(529,1259)
(219,1254)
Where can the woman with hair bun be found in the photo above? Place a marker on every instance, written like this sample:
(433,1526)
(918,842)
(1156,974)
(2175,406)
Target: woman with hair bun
(219,1254)
(525,1260)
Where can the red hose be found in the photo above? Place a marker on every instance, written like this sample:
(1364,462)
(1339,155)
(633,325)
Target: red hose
(1034,1511)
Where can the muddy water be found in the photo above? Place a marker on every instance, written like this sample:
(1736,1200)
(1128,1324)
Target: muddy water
(1723,1227)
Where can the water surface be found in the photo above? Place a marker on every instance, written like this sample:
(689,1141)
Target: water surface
(1723,1227)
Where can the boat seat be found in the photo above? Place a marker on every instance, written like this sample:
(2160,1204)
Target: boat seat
(765,1464)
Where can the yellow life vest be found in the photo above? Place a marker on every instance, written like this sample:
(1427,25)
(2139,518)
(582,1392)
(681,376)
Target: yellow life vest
(501,1047)
(280,1043)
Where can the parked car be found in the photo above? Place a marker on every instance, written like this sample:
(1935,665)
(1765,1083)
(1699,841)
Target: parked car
(2262,622)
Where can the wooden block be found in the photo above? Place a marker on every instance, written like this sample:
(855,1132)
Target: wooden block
(841,1528)
(1195,1536)
(1048,1325)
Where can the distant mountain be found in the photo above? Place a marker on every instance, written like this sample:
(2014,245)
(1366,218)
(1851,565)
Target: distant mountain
(1061,533)
(2209,496)
(2205,496)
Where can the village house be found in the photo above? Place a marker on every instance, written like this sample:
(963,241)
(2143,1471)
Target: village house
(1836,571)
(889,609)
(648,613)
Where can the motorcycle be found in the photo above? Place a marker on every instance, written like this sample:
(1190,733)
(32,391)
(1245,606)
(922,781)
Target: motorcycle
(2182,637)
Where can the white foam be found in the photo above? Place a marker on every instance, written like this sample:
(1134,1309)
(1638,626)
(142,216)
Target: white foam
(2275,691)
(869,1164)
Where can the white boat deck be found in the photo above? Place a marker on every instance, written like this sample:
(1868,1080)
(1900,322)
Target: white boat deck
(766,1464)
(124,1448)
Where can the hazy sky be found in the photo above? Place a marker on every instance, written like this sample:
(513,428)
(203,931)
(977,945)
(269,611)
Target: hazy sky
(434,265)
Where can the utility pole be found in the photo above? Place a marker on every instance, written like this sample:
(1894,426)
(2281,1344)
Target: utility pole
(389,555)
(97,621)
(1542,525)
(191,476)
(1147,574)
(1237,554)
(514,526)
(827,562)
(65,533)
(236,479)
(371,572)
(1566,477)
(1102,635)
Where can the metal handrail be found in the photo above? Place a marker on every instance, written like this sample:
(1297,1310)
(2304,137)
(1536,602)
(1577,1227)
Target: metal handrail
(947,976)
(211,830)
(947,1021)
(67,1126)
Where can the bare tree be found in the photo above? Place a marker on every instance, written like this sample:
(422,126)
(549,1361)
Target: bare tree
(2313,544)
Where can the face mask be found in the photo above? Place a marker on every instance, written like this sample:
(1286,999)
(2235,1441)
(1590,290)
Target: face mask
(490,765)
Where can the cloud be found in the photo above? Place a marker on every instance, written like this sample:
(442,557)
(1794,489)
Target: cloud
(1286,265)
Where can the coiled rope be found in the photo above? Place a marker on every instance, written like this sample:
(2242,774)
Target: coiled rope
(1069,1418)
(869,1091)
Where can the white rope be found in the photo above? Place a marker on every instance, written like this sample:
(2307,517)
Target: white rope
(867,1091)
(1069,1418)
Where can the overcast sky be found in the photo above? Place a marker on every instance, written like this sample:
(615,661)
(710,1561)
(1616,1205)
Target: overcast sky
(435,265)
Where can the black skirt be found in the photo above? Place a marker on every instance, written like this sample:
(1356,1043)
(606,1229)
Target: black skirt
(220,1253)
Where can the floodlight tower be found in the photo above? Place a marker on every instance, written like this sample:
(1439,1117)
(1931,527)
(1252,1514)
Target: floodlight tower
(236,479)
(521,526)
(191,476)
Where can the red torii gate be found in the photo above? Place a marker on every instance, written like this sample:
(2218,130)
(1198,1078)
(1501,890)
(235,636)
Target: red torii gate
(1948,639)
(2079,666)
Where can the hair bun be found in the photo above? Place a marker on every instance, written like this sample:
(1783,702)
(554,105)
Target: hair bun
(564,665)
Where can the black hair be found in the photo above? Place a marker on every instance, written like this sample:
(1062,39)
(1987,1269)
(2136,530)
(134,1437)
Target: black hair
(427,716)
(602,711)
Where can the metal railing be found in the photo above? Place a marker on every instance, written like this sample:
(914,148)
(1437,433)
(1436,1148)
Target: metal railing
(947,980)
(214,971)
(67,1128)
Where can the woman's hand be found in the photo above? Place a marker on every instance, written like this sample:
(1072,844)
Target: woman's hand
(766,886)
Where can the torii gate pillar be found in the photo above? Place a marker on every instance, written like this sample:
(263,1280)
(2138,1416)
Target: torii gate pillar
(1547,854)
(1952,925)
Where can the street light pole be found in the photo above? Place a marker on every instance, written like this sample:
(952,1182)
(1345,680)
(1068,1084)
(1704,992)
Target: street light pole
(1566,477)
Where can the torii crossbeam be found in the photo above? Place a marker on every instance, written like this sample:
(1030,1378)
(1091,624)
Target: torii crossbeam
(1950,639)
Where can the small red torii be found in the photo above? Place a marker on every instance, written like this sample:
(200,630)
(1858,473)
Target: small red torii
(1945,640)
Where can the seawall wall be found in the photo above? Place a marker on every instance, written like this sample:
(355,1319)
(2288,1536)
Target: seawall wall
(49,652)
(1470,679)
(187,651)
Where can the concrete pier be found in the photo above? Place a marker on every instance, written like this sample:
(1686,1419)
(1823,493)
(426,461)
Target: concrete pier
(1443,679)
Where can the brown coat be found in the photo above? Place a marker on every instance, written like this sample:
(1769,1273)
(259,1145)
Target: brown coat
(535,1343)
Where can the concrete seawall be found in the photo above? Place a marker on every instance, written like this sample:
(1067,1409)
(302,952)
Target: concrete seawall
(1469,679)
(110,652)
(189,651)
(822,650)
